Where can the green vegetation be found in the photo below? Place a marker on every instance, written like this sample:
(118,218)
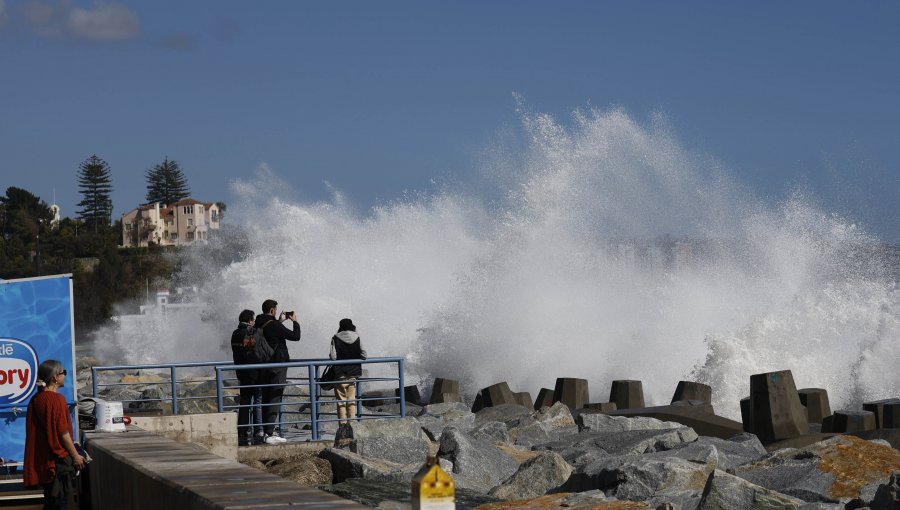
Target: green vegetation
(32,244)
(166,183)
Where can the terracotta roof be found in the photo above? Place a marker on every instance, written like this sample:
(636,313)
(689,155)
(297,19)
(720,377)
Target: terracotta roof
(187,201)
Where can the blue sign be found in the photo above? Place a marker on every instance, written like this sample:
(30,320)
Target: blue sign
(36,324)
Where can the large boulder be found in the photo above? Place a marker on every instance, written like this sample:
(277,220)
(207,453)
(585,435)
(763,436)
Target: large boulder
(535,477)
(602,422)
(555,417)
(736,451)
(503,413)
(887,496)
(492,431)
(477,465)
(838,469)
(346,465)
(395,427)
(620,443)
(728,492)
(640,477)
(402,450)
(435,418)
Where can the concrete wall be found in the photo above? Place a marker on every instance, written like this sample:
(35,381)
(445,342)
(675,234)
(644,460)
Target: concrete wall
(141,470)
(216,432)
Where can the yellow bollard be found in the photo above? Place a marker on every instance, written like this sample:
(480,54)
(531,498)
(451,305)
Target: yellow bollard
(433,488)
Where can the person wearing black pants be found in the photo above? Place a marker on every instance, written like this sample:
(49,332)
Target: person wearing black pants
(275,334)
(249,399)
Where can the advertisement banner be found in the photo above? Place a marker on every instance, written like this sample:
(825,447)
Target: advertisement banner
(36,324)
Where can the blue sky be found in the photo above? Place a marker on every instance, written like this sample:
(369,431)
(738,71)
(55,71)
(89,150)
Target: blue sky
(382,98)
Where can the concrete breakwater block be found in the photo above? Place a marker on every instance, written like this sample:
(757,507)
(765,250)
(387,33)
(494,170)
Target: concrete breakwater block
(847,420)
(410,394)
(443,389)
(746,415)
(544,399)
(572,392)
(495,395)
(877,408)
(689,390)
(603,407)
(699,417)
(815,400)
(523,398)
(627,394)
(775,408)
(891,416)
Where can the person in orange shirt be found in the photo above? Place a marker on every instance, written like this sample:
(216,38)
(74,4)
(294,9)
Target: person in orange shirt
(51,459)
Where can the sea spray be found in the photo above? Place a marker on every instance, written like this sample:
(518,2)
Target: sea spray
(615,253)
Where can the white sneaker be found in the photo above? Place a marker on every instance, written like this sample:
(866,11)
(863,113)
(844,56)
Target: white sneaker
(275,439)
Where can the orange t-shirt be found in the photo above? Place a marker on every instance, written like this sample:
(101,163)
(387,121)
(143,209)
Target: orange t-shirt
(47,419)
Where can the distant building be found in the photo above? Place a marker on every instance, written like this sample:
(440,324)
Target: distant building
(182,223)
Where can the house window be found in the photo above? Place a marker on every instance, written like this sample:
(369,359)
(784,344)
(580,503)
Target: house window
(215,216)
(173,235)
(190,236)
(188,209)
(190,222)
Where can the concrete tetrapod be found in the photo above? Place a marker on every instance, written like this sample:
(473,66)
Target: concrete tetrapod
(571,392)
(815,400)
(544,399)
(494,395)
(877,407)
(847,420)
(689,390)
(627,394)
(775,408)
(443,390)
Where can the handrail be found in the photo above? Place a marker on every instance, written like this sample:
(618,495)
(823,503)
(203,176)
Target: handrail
(311,380)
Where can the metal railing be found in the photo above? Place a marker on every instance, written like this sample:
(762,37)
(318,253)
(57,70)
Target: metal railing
(315,401)
(312,402)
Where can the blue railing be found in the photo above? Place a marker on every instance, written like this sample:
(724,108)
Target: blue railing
(310,380)
(316,402)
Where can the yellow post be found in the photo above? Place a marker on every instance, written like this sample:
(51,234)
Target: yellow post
(433,488)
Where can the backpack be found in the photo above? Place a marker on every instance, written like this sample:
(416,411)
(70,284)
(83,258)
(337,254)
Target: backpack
(257,347)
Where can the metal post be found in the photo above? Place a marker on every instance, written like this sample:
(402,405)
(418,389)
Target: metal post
(173,375)
(402,387)
(313,401)
(219,393)
(359,406)
(94,380)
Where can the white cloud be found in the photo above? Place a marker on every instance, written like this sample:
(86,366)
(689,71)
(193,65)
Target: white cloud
(106,21)
(102,21)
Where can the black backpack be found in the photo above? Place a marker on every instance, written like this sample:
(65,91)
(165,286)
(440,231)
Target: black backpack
(258,348)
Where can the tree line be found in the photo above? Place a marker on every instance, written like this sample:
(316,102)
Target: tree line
(32,244)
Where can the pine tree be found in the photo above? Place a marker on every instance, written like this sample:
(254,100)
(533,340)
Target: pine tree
(95,186)
(166,183)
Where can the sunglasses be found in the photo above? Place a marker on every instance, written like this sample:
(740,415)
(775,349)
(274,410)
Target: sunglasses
(63,372)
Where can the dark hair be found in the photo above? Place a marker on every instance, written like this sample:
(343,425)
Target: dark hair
(269,304)
(47,371)
(346,325)
(246,316)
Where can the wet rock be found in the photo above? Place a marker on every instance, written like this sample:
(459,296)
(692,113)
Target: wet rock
(728,492)
(535,477)
(477,465)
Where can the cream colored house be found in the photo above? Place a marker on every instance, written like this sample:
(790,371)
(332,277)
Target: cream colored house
(182,223)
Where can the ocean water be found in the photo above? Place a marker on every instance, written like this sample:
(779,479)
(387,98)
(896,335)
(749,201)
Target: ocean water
(603,249)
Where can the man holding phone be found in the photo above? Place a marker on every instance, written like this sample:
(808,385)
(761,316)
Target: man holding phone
(275,333)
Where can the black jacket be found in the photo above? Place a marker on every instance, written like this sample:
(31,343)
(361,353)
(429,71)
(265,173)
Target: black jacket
(346,345)
(238,352)
(276,334)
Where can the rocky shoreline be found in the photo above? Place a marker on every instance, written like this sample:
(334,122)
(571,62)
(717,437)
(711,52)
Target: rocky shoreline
(562,451)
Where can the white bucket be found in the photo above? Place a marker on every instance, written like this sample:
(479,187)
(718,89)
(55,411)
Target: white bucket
(109,417)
